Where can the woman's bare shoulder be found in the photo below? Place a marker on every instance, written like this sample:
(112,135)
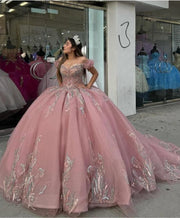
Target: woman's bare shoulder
(83,58)
(59,59)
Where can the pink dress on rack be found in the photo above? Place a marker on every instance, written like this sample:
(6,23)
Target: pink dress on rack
(74,149)
(19,72)
(39,68)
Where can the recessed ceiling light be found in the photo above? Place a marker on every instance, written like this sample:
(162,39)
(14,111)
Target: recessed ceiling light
(8,1)
(11,10)
(24,3)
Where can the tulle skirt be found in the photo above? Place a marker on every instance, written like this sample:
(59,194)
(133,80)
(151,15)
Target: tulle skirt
(74,150)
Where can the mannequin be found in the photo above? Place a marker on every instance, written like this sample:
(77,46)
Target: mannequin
(141,87)
(177,58)
(163,75)
(39,67)
(142,59)
(142,52)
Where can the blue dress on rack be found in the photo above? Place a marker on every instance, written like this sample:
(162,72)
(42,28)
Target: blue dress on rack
(162,75)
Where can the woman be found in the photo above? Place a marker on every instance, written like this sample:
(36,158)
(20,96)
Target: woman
(74,150)
(50,78)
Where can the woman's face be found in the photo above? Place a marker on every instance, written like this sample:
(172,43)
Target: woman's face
(67,47)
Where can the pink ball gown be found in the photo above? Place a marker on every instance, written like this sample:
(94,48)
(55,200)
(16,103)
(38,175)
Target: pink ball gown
(39,68)
(73,150)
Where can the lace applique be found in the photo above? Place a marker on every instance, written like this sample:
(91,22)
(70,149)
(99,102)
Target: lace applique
(171,171)
(96,104)
(20,185)
(69,199)
(100,191)
(57,96)
(143,175)
(142,170)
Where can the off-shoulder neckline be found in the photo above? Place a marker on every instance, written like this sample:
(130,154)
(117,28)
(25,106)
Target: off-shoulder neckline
(73,65)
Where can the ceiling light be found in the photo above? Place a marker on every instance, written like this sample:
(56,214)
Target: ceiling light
(3,1)
(24,3)
(1,15)
(11,10)
(9,1)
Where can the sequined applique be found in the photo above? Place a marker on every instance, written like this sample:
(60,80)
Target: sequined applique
(171,171)
(100,191)
(11,191)
(143,174)
(72,81)
(69,199)
(96,104)
(170,147)
(20,184)
(51,107)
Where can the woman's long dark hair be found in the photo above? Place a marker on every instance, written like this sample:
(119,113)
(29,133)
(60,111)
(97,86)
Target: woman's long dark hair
(77,53)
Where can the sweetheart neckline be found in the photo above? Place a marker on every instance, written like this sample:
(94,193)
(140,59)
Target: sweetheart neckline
(71,65)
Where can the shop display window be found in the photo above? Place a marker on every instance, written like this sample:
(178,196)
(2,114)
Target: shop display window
(157,68)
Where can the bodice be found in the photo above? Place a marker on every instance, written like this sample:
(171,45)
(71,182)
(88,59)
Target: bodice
(155,56)
(72,76)
(154,59)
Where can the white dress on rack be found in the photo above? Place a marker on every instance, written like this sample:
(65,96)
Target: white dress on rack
(141,82)
(10,96)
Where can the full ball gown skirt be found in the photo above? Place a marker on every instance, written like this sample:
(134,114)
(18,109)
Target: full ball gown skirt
(73,150)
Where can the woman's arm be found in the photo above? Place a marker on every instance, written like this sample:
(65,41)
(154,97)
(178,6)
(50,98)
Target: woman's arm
(59,77)
(88,64)
(93,78)
(58,74)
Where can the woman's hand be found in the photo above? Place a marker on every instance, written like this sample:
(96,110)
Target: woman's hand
(88,86)
(82,86)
